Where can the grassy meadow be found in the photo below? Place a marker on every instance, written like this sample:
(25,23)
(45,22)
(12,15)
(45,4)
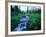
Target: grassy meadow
(34,15)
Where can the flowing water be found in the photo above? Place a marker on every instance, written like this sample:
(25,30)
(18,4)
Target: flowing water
(22,26)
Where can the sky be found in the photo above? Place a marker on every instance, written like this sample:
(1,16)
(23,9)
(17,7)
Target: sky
(24,8)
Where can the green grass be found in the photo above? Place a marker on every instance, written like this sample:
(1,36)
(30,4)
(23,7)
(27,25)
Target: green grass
(33,24)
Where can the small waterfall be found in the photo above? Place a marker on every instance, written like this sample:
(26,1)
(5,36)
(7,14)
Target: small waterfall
(22,26)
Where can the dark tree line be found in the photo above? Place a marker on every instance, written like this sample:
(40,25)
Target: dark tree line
(16,10)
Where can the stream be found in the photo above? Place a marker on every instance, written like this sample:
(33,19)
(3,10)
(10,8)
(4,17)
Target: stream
(22,26)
